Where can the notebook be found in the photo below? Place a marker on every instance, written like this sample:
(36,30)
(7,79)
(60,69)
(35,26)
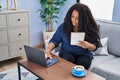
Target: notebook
(76,37)
(38,56)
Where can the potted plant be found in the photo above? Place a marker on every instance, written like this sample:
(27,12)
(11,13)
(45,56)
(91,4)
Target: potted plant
(49,12)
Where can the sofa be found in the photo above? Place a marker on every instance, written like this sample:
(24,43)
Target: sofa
(108,66)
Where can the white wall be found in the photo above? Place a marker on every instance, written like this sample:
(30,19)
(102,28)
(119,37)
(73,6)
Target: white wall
(102,9)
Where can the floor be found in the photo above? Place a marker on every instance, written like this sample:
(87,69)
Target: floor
(10,63)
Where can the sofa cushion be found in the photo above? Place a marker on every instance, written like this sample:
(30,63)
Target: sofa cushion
(100,59)
(109,69)
(111,30)
(102,51)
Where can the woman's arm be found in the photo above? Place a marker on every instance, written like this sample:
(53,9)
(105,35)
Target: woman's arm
(50,47)
(55,40)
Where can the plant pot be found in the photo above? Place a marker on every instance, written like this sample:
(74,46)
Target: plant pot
(48,35)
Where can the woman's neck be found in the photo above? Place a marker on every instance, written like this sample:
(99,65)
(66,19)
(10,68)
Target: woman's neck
(75,29)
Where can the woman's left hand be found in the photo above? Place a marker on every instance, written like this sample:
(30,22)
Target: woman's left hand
(86,45)
(83,44)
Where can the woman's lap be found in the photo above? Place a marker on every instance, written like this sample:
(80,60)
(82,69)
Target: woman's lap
(77,59)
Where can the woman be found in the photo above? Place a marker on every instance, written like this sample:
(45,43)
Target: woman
(78,19)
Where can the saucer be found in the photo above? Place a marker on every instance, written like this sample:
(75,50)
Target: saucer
(80,75)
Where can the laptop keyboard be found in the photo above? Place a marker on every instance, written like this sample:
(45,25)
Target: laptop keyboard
(49,61)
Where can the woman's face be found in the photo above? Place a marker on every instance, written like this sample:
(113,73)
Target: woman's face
(75,18)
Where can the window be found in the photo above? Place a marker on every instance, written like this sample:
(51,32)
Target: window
(101,9)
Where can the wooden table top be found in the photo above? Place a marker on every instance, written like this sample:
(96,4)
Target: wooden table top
(59,71)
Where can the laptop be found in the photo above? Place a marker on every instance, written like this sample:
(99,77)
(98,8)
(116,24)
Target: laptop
(38,56)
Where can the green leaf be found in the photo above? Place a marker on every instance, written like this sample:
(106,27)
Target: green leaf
(49,10)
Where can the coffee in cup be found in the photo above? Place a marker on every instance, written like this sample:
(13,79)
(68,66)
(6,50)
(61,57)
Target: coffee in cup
(78,70)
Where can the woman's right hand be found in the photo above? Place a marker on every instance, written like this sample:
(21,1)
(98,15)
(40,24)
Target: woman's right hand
(48,54)
(51,46)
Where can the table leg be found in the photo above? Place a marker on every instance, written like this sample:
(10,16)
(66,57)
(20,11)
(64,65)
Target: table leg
(19,73)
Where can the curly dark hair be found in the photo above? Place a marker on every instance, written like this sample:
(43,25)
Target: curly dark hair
(87,23)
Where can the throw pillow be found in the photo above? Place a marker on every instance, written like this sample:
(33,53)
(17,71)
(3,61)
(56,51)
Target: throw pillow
(102,50)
